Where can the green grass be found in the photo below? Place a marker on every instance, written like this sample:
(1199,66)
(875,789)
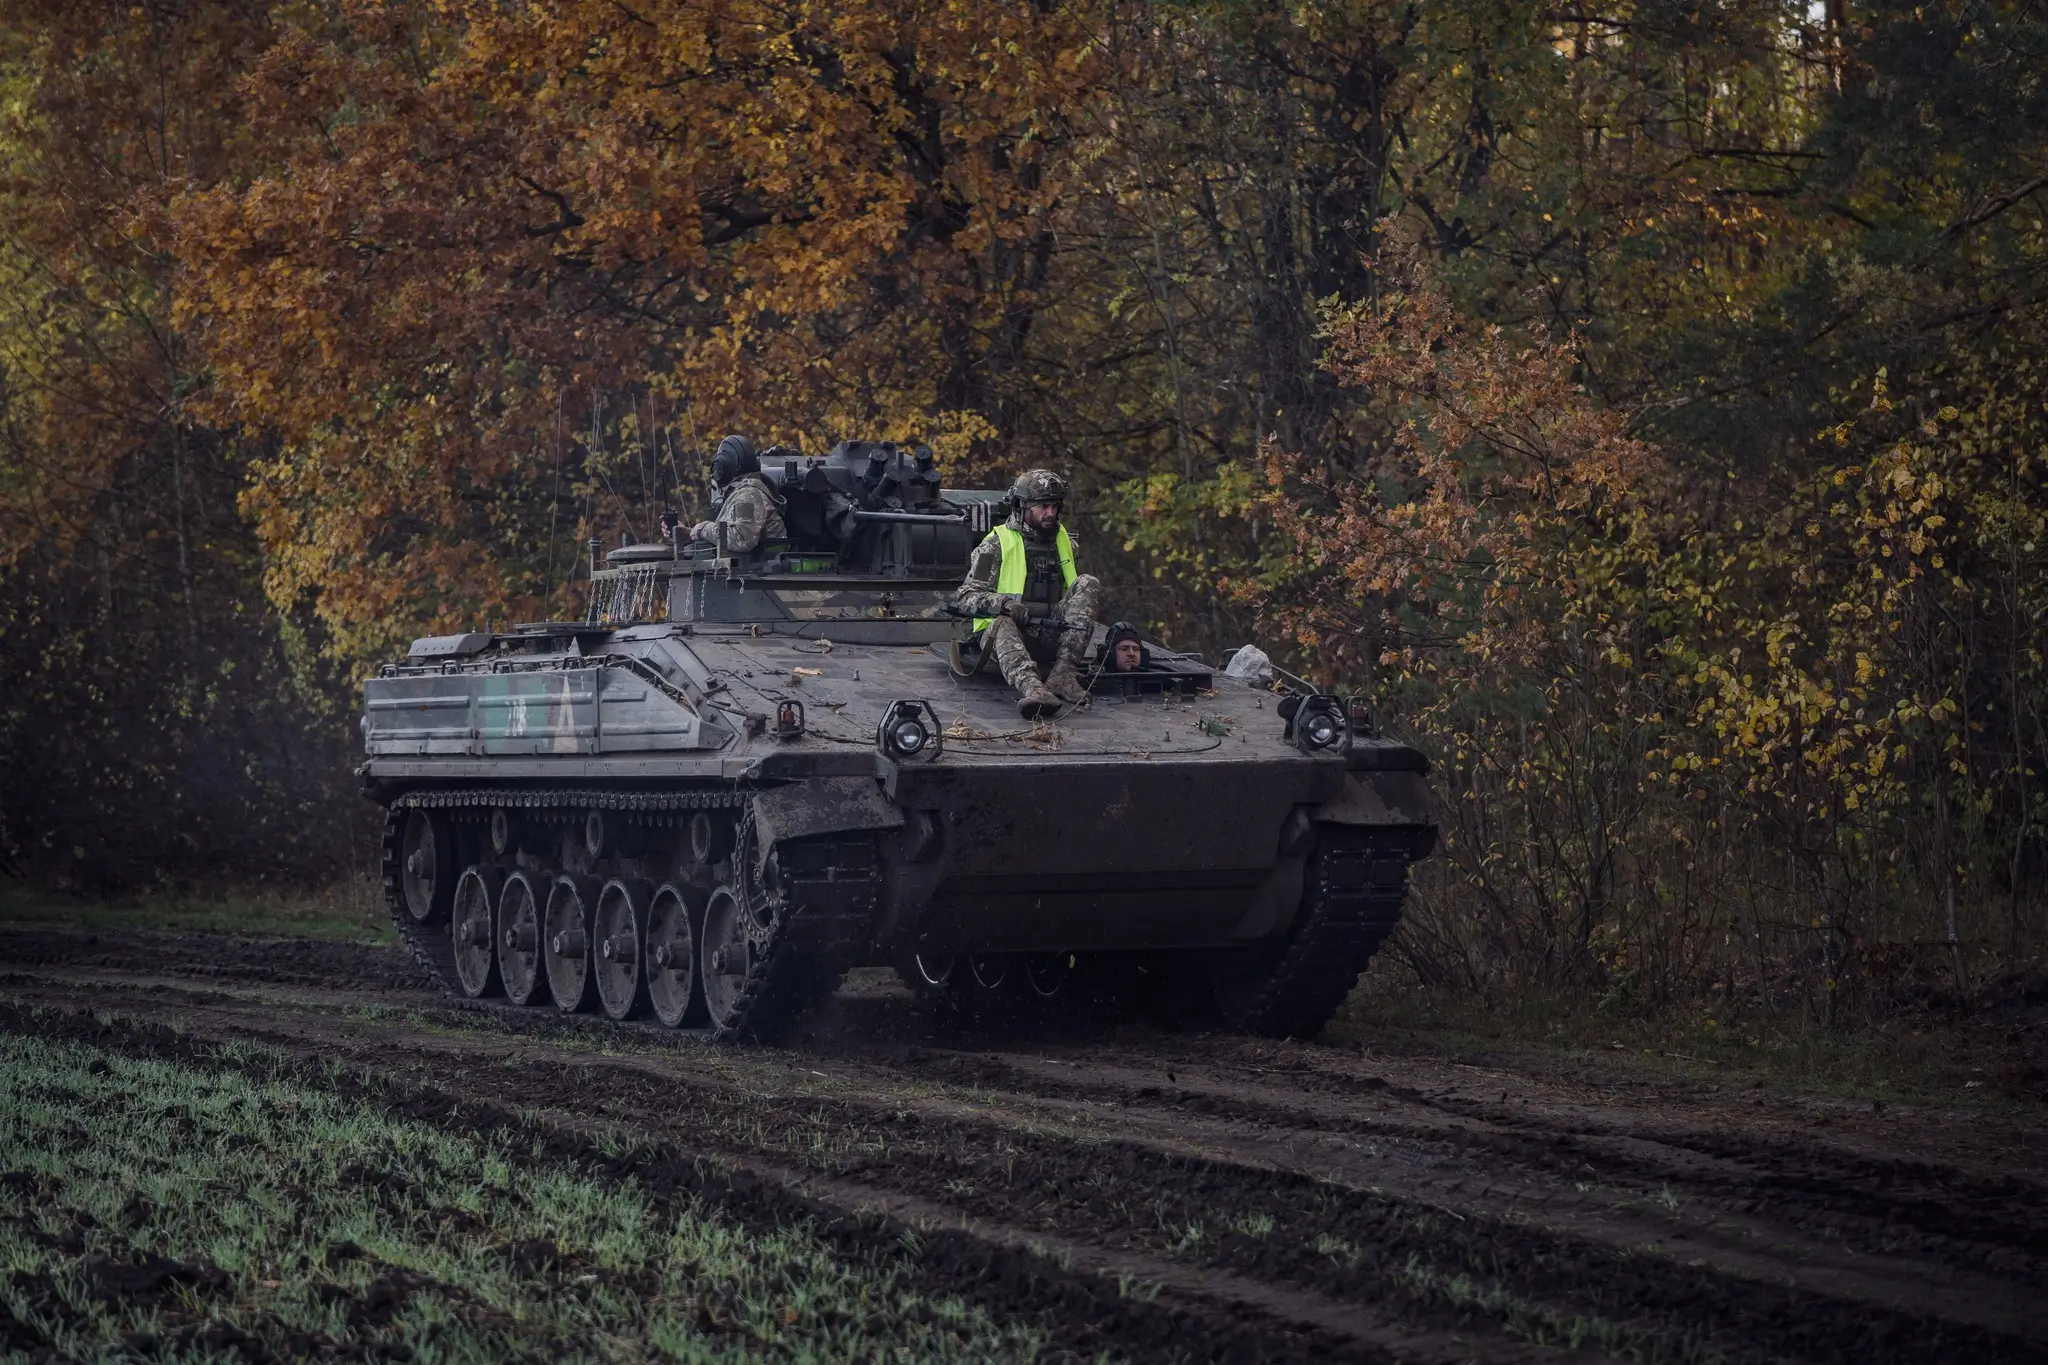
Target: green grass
(350,911)
(308,1223)
(1927,1059)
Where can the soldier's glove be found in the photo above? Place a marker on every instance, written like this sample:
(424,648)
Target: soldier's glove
(1019,611)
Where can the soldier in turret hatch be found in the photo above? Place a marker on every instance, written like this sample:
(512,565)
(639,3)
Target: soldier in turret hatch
(1123,649)
(1029,605)
(750,513)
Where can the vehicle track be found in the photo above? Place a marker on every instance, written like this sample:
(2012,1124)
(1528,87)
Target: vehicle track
(1871,1204)
(1394,1220)
(1085,1309)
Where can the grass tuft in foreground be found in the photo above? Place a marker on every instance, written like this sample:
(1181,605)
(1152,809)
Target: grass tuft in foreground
(187,1212)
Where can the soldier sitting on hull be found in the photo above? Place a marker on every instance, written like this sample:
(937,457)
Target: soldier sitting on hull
(749,510)
(1029,605)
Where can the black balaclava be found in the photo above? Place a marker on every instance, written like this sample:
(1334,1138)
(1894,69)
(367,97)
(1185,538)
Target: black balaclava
(735,457)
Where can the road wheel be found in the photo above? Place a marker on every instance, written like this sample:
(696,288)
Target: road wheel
(989,970)
(621,953)
(726,950)
(566,944)
(929,973)
(519,965)
(941,984)
(476,899)
(672,984)
(1047,974)
(780,934)
(426,869)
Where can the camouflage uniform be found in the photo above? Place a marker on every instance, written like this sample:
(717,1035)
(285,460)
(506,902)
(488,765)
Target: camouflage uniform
(1022,651)
(750,514)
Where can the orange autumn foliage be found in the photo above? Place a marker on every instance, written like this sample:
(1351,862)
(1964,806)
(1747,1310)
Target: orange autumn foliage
(106,119)
(156,718)
(1485,510)
(379,308)
(803,221)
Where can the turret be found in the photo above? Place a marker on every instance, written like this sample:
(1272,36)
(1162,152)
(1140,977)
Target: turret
(870,527)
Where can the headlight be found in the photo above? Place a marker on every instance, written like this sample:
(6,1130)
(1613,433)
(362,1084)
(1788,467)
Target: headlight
(909,732)
(908,736)
(1320,725)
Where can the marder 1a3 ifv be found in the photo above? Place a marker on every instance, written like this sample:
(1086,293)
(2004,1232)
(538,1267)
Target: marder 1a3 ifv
(739,776)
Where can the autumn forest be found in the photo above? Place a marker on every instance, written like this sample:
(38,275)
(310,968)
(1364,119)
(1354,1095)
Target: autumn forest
(1647,405)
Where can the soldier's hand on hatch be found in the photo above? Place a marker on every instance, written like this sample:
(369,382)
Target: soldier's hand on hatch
(704,530)
(1018,610)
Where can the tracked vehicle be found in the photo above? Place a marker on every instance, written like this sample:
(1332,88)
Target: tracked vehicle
(740,775)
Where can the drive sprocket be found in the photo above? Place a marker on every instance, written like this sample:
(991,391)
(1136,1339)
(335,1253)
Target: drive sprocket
(783,933)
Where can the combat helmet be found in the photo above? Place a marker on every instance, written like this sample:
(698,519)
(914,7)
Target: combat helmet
(1036,486)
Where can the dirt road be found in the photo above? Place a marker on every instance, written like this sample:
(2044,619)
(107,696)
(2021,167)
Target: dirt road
(1182,1195)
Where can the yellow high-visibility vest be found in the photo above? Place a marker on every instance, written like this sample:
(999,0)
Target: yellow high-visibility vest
(1010,575)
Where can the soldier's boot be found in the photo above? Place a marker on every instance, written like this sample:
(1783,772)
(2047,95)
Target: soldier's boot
(1020,670)
(1038,702)
(1065,681)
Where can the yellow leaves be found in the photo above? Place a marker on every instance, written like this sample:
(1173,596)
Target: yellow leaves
(750,154)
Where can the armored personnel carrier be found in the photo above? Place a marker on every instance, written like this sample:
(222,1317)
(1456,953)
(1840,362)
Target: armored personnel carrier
(739,775)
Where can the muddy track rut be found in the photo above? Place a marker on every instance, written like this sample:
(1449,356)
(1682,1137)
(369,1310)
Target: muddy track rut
(1215,1196)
